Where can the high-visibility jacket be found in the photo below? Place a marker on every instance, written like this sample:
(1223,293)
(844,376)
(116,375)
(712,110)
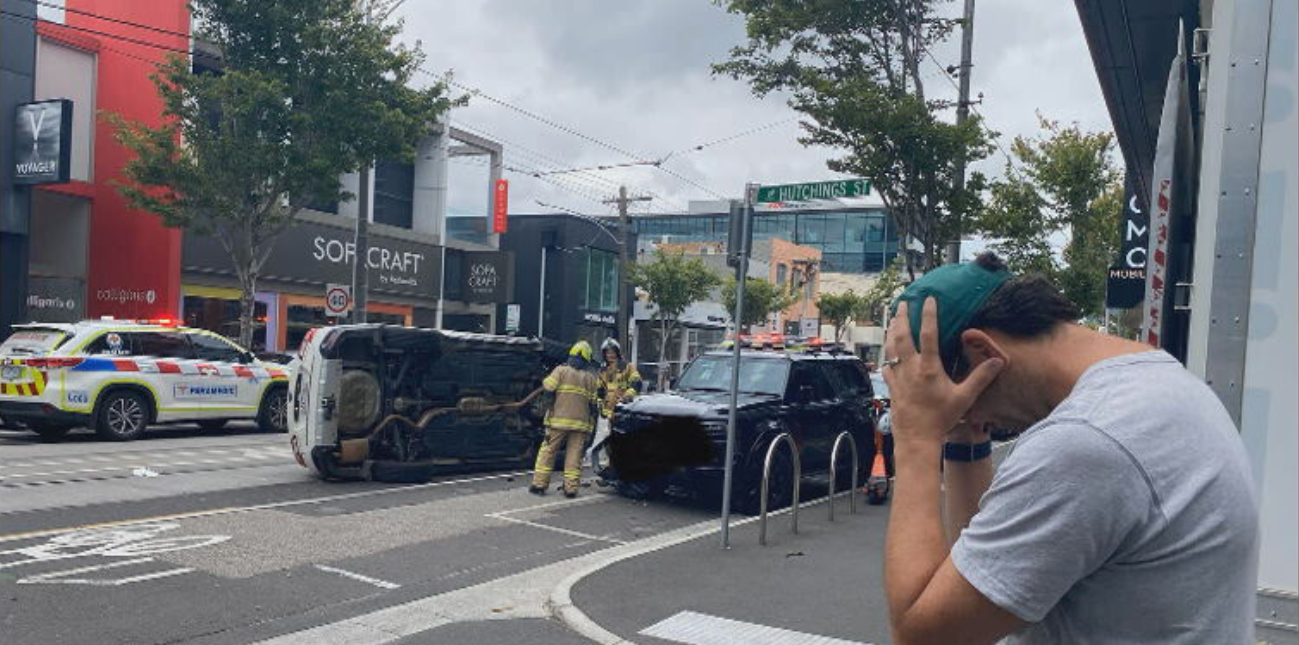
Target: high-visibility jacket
(575,399)
(618,381)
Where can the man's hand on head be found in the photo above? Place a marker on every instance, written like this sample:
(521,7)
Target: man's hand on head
(926,403)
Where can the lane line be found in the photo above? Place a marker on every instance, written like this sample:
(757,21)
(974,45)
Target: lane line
(693,628)
(556,529)
(382,584)
(229,510)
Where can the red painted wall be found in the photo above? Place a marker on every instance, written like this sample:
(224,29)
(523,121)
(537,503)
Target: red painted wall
(134,267)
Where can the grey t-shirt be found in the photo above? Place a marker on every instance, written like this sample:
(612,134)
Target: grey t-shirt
(1126,516)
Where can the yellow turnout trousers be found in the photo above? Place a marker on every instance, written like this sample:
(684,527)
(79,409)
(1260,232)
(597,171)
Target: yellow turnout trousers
(574,441)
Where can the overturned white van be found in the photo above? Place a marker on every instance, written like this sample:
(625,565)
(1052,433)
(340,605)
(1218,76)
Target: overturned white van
(387,403)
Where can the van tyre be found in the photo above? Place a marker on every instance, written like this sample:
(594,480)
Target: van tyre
(122,415)
(273,415)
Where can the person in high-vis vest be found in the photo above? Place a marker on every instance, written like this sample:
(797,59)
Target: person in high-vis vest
(620,381)
(573,388)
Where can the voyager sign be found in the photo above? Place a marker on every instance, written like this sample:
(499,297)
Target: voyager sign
(317,254)
(43,142)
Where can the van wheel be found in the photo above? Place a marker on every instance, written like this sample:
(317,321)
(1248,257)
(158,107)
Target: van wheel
(212,425)
(122,415)
(273,416)
(49,431)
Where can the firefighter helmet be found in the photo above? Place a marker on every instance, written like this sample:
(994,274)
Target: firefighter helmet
(581,348)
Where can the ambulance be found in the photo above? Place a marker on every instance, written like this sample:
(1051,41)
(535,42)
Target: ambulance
(119,377)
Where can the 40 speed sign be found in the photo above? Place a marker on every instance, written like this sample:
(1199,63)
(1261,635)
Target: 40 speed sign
(338,300)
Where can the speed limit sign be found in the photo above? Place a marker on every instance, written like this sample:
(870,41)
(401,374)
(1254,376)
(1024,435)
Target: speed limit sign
(338,300)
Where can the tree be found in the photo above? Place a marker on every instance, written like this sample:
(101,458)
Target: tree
(886,287)
(853,68)
(309,90)
(762,298)
(840,309)
(1069,184)
(673,283)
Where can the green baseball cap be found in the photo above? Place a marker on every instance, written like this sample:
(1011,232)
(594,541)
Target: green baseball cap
(960,290)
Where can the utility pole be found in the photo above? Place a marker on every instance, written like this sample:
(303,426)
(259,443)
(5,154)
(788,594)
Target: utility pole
(624,261)
(962,115)
(360,264)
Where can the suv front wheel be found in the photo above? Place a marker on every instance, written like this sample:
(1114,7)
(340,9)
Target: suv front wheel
(273,416)
(122,415)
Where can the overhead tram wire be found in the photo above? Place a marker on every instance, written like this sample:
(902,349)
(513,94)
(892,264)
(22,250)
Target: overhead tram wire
(563,128)
(996,137)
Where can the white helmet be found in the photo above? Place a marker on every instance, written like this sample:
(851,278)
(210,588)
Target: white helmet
(608,344)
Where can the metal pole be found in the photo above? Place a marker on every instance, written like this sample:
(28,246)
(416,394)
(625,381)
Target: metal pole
(962,115)
(741,273)
(624,235)
(360,264)
(541,300)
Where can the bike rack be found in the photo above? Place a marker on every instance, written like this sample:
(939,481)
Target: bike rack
(834,472)
(784,438)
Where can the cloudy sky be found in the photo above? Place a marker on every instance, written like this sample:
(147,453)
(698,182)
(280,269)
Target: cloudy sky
(634,74)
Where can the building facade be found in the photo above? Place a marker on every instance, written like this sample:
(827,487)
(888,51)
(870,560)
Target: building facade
(567,276)
(851,240)
(75,250)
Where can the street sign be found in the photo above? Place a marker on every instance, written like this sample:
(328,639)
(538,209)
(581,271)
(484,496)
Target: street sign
(501,206)
(813,191)
(338,300)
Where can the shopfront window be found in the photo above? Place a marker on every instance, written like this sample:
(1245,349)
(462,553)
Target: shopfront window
(601,281)
(221,315)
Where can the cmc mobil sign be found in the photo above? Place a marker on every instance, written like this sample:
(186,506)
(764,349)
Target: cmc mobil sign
(315,254)
(43,142)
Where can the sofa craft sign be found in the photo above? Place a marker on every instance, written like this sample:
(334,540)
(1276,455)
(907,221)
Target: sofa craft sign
(395,267)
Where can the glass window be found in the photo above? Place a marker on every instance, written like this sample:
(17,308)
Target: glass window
(833,234)
(875,230)
(805,375)
(780,275)
(757,375)
(394,192)
(221,315)
(855,232)
(811,229)
(208,348)
(601,281)
(159,344)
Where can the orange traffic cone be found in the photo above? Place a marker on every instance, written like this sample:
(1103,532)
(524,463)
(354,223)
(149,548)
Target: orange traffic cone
(877,468)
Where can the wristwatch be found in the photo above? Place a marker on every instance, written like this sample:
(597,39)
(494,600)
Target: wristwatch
(967,452)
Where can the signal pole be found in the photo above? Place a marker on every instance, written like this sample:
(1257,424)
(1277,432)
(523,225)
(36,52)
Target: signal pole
(962,115)
(624,261)
(360,266)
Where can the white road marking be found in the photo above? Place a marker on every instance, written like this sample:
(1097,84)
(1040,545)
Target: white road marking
(701,629)
(556,529)
(62,577)
(382,584)
(256,507)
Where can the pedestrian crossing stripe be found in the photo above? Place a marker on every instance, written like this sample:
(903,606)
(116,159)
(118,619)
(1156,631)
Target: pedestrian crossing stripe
(691,628)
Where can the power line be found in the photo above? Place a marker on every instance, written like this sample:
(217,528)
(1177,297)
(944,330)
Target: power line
(738,135)
(104,34)
(996,137)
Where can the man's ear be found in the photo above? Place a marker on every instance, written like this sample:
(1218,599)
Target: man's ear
(978,346)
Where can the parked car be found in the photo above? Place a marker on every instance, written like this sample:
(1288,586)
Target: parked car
(813,396)
(119,377)
(400,404)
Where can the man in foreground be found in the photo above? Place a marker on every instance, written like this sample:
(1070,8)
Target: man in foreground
(1125,511)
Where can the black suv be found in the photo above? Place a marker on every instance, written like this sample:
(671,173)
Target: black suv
(812,396)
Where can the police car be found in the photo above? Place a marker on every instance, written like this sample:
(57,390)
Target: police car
(119,377)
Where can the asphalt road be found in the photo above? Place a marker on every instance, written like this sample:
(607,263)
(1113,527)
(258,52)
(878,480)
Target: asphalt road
(222,538)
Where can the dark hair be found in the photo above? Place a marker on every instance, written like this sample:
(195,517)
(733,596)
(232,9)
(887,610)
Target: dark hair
(1026,306)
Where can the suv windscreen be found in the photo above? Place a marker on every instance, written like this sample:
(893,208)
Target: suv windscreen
(757,375)
(209,348)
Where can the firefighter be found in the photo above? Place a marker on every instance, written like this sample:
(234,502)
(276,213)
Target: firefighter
(569,421)
(619,381)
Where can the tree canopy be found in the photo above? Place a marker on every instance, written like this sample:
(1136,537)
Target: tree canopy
(762,298)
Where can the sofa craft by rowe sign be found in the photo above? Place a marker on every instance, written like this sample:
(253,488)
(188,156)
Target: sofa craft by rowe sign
(318,254)
(486,276)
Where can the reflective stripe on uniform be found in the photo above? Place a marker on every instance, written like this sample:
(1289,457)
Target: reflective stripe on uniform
(550,382)
(569,424)
(573,389)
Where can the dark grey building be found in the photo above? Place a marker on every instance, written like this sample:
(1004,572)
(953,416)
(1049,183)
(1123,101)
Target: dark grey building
(565,277)
(17,85)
